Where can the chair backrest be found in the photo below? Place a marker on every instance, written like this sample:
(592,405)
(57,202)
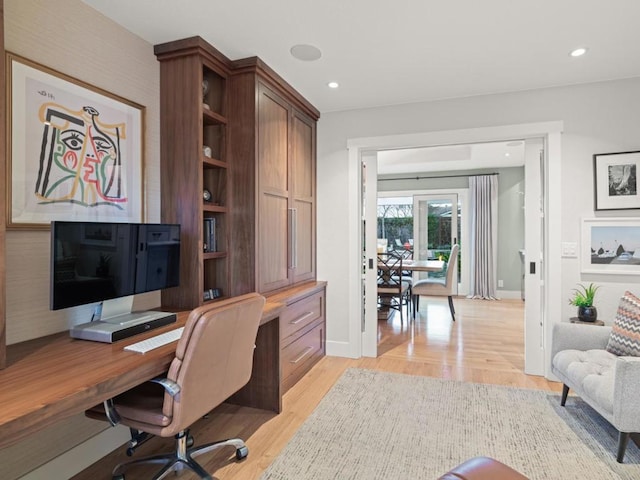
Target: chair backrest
(404,254)
(214,357)
(389,270)
(451,266)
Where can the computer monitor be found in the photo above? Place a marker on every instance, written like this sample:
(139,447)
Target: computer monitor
(96,261)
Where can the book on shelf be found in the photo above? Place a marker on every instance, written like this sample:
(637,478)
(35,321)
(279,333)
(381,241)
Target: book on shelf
(209,232)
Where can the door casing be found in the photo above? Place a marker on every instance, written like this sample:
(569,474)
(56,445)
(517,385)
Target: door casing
(549,131)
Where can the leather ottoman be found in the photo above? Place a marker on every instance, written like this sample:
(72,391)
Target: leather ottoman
(482,468)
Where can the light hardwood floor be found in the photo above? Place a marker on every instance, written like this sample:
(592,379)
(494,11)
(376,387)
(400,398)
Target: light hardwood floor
(484,345)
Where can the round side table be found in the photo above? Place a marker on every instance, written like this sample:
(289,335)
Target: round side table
(577,320)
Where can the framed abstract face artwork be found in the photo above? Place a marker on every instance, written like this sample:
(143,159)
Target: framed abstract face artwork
(616,180)
(75,151)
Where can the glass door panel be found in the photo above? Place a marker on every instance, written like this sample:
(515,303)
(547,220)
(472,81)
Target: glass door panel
(436,228)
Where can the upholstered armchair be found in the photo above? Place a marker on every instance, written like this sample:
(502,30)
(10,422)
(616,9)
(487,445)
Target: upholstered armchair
(609,383)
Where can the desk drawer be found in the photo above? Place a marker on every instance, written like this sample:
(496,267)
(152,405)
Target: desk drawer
(300,314)
(298,357)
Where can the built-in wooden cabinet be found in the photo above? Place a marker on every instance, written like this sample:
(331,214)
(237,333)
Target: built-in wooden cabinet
(302,337)
(277,157)
(286,193)
(239,131)
(194,170)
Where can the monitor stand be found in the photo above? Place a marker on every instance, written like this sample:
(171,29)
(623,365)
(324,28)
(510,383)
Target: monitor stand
(113,320)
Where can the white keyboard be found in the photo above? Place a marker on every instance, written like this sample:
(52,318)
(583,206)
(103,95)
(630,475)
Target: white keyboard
(144,346)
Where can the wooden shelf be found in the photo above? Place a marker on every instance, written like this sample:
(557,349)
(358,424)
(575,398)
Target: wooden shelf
(212,118)
(214,208)
(203,123)
(213,255)
(209,162)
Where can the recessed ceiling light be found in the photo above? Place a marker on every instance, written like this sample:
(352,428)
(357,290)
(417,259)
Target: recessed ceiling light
(578,52)
(333,84)
(307,53)
(507,154)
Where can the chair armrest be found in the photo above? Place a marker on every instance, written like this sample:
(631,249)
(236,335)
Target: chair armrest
(572,336)
(110,412)
(171,387)
(626,391)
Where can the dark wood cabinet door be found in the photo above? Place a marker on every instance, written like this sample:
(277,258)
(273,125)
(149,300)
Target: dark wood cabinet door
(303,174)
(273,223)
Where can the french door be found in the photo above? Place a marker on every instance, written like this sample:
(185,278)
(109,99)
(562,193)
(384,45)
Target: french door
(436,227)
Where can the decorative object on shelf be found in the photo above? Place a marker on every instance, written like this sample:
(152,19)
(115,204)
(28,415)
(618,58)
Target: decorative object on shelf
(206,151)
(583,299)
(209,235)
(616,180)
(206,195)
(611,245)
(76,150)
(205,90)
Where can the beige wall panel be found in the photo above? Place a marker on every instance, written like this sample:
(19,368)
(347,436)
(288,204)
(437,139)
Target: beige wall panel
(70,37)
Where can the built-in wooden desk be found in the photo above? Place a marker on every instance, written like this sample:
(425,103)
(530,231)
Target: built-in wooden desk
(54,377)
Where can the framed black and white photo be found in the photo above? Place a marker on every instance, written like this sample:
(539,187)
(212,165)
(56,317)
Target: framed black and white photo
(616,180)
(611,246)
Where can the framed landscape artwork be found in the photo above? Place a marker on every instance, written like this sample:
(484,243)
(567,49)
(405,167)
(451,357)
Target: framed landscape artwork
(611,246)
(616,180)
(75,151)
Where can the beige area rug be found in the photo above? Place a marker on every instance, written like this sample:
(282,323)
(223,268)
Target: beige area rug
(375,425)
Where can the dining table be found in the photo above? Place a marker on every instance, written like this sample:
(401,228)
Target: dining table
(423,265)
(412,266)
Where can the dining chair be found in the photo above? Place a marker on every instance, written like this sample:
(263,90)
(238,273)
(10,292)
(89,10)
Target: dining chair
(407,275)
(443,287)
(393,291)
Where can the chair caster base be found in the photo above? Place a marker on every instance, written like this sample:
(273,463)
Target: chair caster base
(241,453)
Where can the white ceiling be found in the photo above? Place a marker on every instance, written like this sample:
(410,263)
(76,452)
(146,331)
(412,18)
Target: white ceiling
(451,158)
(389,52)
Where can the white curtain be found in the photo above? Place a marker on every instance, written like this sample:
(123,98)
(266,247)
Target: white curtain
(484,236)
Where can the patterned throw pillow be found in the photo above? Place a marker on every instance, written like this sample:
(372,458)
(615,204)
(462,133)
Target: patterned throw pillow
(625,333)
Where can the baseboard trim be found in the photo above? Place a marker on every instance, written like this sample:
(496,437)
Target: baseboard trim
(340,349)
(81,456)
(510,294)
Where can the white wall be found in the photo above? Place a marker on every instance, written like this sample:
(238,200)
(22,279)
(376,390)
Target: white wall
(598,118)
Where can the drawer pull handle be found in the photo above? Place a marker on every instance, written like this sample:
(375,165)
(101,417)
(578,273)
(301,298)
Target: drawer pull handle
(302,355)
(299,319)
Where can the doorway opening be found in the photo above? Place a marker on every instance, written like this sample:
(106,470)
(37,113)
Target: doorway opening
(368,149)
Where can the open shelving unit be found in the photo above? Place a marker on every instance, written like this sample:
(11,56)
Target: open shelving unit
(194,160)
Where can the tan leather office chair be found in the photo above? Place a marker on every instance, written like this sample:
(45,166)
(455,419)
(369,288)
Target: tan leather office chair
(438,287)
(214,358)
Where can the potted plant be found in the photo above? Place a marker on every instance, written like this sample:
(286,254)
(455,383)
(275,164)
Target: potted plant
(583,299)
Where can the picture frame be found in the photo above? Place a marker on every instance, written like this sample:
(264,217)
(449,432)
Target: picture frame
(616,180)
(610,246)
(74,151)
(99,234)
